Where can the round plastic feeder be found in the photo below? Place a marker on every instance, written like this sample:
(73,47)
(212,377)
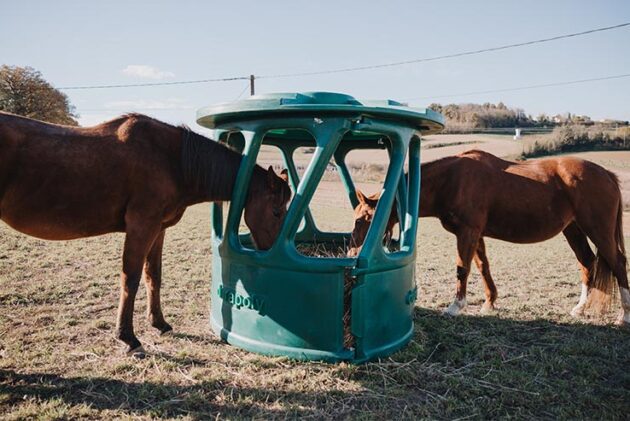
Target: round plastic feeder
(282,302)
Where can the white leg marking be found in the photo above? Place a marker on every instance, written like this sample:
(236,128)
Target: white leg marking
(455,307)
(487,308)
(625,305)
(578,310)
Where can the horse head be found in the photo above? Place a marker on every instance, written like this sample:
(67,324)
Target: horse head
(363,216)
(267,206)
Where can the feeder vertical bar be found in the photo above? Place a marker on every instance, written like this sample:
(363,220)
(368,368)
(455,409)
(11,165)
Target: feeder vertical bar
(372,248)
(253,139)
(402,196)
(216,209)
(411,215)
(346,178)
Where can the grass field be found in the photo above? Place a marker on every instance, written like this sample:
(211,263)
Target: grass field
(58,358)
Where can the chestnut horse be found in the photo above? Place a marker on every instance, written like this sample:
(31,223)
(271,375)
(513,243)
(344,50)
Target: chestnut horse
(134,175)
(476,195)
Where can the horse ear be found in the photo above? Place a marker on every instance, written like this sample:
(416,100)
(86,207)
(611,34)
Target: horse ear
(284,174)
(360,196)
(272,178)
(372,200)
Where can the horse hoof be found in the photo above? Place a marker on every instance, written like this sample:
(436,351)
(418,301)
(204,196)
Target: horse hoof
(166,329)
(488,309)
(577,312)
(451,311)
(160,324)
(455,308)
(623,320)
(137,352)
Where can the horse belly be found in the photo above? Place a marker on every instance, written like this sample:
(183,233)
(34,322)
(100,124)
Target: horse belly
(528,225)
(59,225)
(62,208)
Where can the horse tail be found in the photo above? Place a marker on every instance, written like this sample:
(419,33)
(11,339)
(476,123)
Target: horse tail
(604,287)
(619,228)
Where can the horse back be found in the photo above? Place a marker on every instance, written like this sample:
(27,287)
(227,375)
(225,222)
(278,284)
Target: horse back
(55,176)
(117,145)
(516,201)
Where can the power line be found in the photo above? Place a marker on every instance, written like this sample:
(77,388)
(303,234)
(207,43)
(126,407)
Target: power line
(122,110)
(135,85)
(353,69)
(426,59)
(522,88)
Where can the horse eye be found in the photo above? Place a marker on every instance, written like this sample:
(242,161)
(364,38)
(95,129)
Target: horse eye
(276,212)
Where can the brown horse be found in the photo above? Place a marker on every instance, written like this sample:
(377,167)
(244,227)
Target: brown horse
(134,175)
(476,195)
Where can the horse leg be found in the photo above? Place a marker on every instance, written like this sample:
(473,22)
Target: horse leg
(467,240)
(481,260)
(140,236)
(624,317)
(610,262)
(585,256)
(616,260)
(153,281)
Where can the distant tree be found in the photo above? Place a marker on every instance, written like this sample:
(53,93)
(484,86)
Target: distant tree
(543,119)
(467,117)
(436,107)
(24,91)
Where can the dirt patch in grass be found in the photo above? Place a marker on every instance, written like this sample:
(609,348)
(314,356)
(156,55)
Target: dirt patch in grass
(430,145)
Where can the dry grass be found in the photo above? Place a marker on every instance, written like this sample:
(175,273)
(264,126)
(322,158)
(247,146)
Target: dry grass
(59,360)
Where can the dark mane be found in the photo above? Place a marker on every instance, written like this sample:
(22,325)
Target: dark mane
(208,166)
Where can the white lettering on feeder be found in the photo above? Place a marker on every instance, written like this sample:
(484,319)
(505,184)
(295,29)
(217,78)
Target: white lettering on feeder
(230,296)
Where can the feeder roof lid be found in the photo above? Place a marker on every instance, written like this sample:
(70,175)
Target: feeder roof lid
(317,104)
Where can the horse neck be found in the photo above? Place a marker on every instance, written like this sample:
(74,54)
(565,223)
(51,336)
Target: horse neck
(209,169)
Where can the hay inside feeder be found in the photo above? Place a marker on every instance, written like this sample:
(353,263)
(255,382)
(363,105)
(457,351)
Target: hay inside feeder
(335,250)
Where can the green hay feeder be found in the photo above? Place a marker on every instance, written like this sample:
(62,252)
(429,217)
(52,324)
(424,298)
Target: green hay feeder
(281,302)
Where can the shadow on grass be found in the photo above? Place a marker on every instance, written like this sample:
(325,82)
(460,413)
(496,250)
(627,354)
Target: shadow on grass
(203,400)
(488,367)
(469,366)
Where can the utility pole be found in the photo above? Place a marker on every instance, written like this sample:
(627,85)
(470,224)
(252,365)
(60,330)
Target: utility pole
(252,90)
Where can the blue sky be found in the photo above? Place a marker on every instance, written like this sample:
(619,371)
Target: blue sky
(115,42)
